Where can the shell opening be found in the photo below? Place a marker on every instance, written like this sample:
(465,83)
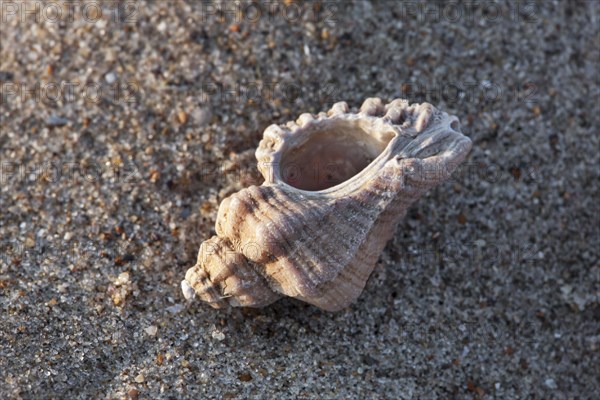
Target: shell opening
(334,152)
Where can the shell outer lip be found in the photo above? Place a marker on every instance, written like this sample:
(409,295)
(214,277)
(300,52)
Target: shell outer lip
(295,135)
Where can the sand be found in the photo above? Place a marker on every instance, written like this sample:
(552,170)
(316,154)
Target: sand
(122,129)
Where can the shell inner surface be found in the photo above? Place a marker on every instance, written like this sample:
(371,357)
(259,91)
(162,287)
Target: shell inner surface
(331,154)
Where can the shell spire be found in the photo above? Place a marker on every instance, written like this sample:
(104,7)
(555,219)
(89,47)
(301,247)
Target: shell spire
(336,186)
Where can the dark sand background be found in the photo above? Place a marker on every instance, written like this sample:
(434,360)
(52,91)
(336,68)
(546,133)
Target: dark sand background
(121,132)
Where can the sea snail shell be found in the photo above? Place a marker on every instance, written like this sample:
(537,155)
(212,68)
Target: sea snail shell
(336,185)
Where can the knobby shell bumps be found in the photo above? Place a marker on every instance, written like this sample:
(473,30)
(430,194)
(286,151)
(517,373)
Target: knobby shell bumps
(336,185)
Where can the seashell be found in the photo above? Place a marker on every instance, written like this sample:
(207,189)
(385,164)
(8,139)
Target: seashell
(336,186)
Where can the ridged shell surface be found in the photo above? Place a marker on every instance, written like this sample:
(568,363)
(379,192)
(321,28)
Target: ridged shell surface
(336,185)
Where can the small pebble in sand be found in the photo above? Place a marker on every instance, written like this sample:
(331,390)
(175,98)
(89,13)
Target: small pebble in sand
(56,121)
(110,78)
(550,384)
(175,308)
(122,279)
(217,334)
(182,117)
(151,330)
